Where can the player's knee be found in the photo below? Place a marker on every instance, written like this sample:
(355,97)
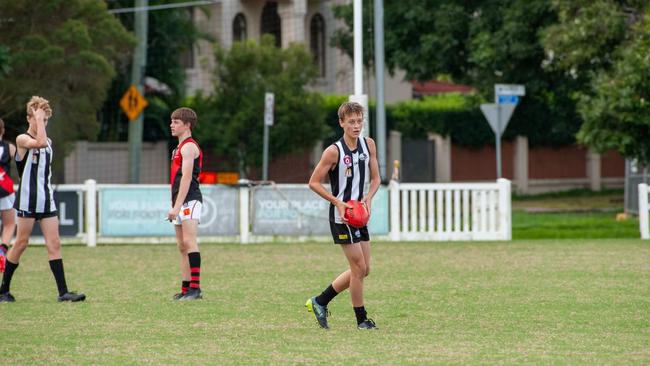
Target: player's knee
(188,245)
(53,247)
(359,269)
(21,243)
(19,247)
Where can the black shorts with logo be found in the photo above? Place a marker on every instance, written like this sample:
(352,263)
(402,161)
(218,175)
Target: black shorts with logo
(346,234)
(36,215)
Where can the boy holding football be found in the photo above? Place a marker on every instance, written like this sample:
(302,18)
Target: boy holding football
(350,163)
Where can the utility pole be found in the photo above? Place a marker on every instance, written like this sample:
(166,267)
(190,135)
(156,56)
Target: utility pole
(269,104)
(358,95)
(138,70)
(358,47)
(379,78)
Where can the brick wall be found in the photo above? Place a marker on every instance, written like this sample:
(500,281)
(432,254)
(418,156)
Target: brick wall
(543,163)
(480,164)
(612,165)
(557,163)
(290,168)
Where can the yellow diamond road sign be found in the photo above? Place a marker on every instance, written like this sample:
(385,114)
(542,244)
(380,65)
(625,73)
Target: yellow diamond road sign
(133,103)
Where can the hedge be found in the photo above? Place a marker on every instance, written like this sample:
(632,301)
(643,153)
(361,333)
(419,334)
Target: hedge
(460,117)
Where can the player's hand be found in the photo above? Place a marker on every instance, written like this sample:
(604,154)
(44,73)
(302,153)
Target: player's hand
(172,214)
(366,202)
(39,114)
(342,206)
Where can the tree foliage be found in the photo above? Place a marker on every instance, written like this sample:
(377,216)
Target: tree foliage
(607,44)
(171,34)
(4,61)
(65,51)
(584,63)
(231,119)
(482,43)
(342,37)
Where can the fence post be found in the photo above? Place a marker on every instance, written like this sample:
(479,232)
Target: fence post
(394,212)
(505,209)
(244,224)
(643,211)
(91,212)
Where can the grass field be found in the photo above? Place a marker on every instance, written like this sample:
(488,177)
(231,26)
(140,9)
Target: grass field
(569,301)
(572,215)
(572,225)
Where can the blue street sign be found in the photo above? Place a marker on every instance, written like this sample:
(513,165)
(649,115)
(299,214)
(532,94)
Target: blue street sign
(507,99)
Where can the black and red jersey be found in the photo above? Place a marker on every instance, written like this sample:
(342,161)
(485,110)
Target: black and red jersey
(6,184)
(194,193)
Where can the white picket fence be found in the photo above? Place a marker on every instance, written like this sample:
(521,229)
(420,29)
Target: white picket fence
(643,211)
(451,211)
(416,212)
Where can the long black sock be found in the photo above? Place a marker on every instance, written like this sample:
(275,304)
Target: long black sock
(56,265)
(184,286)
(326,296)
(360,312)
(195,269)
(10,267)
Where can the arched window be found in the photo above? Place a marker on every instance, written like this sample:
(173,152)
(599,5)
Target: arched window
(271,23)
(317,42)
(239,28)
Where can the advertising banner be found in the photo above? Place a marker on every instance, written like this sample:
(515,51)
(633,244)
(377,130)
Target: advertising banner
(142,211)
(296,210)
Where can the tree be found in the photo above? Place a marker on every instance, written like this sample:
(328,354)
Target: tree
(481,43)
(65,51)
(607,44)
(4,61)
(171,35)
(342,37)
(231,120)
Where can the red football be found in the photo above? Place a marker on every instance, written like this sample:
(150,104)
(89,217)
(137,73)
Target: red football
(358,215)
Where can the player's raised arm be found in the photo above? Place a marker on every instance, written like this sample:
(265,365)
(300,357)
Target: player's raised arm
(38,117)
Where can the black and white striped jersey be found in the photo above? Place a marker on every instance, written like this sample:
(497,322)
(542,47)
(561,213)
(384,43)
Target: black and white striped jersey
(351,174)
(35,193)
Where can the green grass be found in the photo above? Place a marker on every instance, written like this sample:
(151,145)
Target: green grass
(577,302)
(572,215)
(570,193)
(573,200)
(572,225)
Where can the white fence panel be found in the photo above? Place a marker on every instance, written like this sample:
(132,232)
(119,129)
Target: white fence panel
(643,211)
(451,211)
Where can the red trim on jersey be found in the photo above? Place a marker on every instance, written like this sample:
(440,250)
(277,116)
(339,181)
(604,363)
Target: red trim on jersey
(6,184)
(177,159)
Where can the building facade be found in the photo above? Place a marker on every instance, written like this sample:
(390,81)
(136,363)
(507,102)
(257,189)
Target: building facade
(310,22)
